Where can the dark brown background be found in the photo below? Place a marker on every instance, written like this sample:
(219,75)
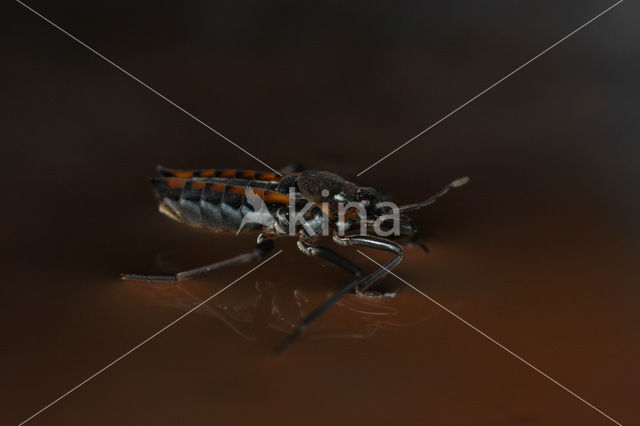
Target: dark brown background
(540,250)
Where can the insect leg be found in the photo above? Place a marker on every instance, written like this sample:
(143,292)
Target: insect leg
(264,246)
(408,230)
(333,257)
(408,235)
(375,243)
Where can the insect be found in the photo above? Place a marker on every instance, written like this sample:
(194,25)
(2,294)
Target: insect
(230,200)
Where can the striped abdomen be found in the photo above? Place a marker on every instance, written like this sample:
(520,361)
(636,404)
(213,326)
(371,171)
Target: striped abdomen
(216,204)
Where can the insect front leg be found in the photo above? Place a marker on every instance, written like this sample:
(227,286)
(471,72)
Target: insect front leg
(378,244)
(408,232)
(264,246)
(332,257)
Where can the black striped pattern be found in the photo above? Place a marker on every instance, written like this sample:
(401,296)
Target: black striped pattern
(216,204)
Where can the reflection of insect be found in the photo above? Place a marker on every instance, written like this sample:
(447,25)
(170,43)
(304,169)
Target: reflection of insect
(215,200)
(254,311)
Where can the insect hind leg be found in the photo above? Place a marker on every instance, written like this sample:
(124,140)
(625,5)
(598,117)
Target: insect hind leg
(264,246)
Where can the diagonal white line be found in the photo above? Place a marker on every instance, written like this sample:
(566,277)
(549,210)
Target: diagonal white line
(146,340)
(149,87)
(476,329)
(492,86)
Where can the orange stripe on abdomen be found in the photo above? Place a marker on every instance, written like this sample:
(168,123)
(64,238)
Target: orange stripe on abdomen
(198,184)
(175,183)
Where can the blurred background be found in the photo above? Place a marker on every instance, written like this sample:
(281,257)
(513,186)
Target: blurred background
(540,250)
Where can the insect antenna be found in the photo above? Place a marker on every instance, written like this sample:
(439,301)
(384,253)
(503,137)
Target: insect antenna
(455,184)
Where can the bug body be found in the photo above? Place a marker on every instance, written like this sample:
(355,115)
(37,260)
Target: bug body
(216,199)
(230,200)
